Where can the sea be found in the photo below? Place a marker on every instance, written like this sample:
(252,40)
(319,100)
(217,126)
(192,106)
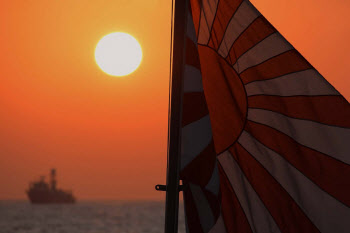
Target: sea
(85,217)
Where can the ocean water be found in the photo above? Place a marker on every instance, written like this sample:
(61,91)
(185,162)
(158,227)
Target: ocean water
(85,217)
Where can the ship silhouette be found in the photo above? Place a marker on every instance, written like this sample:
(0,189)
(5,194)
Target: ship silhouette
(41,192)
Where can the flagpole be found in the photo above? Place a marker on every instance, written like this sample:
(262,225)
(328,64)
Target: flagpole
(175,118)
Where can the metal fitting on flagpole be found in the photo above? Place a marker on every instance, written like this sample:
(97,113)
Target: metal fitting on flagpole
(162,187)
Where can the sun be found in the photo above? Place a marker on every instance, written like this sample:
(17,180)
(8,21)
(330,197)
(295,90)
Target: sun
(118,54)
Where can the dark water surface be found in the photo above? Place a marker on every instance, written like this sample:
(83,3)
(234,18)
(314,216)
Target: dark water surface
(85,217)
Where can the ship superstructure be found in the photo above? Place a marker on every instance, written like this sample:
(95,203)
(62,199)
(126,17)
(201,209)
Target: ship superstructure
(41,192)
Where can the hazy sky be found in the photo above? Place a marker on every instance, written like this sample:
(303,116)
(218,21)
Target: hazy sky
(106,136)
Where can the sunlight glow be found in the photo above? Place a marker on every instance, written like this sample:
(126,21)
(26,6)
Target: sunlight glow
(118,54)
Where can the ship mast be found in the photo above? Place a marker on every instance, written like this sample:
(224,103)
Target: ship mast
(53,181)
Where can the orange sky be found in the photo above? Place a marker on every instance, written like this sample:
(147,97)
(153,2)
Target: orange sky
(107,136)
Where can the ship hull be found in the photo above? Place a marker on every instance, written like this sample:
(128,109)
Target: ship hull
(50,197)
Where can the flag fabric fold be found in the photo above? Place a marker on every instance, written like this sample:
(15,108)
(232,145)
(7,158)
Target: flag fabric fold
(265,138)
(199,171)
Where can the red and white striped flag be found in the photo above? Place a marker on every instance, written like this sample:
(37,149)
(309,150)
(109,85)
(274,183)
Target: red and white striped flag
(265,138)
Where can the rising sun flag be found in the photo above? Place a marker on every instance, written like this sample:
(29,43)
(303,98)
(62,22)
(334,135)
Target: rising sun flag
(264,137)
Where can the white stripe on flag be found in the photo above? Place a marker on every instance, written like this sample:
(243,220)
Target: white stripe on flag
(330,140)
(192,79)
(195,138)
(307,82)
(191,31)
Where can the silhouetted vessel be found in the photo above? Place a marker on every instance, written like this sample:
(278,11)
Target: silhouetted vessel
(41,192)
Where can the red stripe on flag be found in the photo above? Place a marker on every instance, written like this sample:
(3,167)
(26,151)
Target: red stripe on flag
(256,32)
(211,44)
(225,97)
(200,169)
(233,215)
(282,64)
(194,107)
(328,173)
(192,57)
(196,12)
(192,218)
(330,110)
(225,11)
(286,213)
